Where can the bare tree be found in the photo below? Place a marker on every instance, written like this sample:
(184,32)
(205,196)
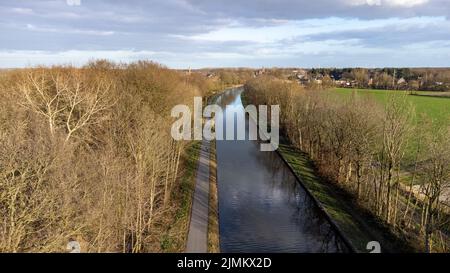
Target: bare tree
(437,173)
(396,126)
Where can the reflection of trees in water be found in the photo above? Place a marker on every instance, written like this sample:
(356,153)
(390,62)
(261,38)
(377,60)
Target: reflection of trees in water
(269,161)
(280,175)
(228,97)
(314,222)
(306,215)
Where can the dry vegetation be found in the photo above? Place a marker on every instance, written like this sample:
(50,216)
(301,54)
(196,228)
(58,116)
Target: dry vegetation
(213,217)
(361,147)
(86,154)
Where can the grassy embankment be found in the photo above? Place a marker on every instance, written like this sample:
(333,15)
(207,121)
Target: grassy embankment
(360,229)
(175,238)
(356,224)
(213,218)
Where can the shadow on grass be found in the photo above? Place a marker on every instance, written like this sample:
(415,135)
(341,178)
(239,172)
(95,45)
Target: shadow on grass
(357,224)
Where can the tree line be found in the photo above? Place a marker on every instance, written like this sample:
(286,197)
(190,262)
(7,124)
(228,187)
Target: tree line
(86,155)
(361,146)
(428,79)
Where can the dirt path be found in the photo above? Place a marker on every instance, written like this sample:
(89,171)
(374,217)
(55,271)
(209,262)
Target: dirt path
(198,228)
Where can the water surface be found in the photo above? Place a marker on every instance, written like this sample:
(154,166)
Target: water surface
(262,207)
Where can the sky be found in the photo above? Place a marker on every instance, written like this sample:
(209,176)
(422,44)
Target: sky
(227,33)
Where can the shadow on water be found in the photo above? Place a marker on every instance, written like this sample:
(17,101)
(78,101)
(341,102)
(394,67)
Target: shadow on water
(262,207)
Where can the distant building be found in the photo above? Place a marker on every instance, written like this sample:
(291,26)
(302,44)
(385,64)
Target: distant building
(318,79)
(260,72)
(401,81)
(302,78)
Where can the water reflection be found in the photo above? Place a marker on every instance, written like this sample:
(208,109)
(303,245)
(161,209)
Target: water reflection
(262,208)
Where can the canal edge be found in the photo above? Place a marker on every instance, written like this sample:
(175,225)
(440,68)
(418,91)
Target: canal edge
(347,242)
(213,221)
(197,241)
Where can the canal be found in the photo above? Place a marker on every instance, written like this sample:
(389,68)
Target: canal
(262,206)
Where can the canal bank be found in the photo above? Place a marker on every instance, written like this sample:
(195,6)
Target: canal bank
(198,226)
(213,222)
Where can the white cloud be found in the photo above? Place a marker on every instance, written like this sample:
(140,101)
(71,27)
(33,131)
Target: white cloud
(393,3)
(32,27)
(22,11)
(296,29)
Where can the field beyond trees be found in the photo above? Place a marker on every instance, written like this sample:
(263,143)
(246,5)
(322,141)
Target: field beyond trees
(435,105)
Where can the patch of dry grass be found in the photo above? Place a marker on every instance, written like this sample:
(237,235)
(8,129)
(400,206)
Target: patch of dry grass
(213,223)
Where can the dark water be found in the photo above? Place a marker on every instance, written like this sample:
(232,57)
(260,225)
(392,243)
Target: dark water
(262,208)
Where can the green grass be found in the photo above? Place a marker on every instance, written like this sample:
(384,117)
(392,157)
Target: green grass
(434,107)
(303,168)
(356,224)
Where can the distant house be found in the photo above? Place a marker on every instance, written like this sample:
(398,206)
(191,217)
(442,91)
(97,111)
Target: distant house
(340,82)
(259,72)
(346,83)
(318,79)
(302,78)
(401,81)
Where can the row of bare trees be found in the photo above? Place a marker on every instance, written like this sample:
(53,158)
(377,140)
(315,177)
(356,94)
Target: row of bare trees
(397,169)
(86,155)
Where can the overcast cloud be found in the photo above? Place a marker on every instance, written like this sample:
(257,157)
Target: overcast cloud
(207,33)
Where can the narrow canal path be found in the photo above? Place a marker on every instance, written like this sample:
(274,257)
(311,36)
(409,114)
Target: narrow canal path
(198,227)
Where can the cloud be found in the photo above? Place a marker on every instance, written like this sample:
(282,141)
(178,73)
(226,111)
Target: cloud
(393,3)
(225,32)
(304,9)
(24,11)
(68,31)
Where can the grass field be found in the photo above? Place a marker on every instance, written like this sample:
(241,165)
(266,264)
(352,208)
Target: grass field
(437,108)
